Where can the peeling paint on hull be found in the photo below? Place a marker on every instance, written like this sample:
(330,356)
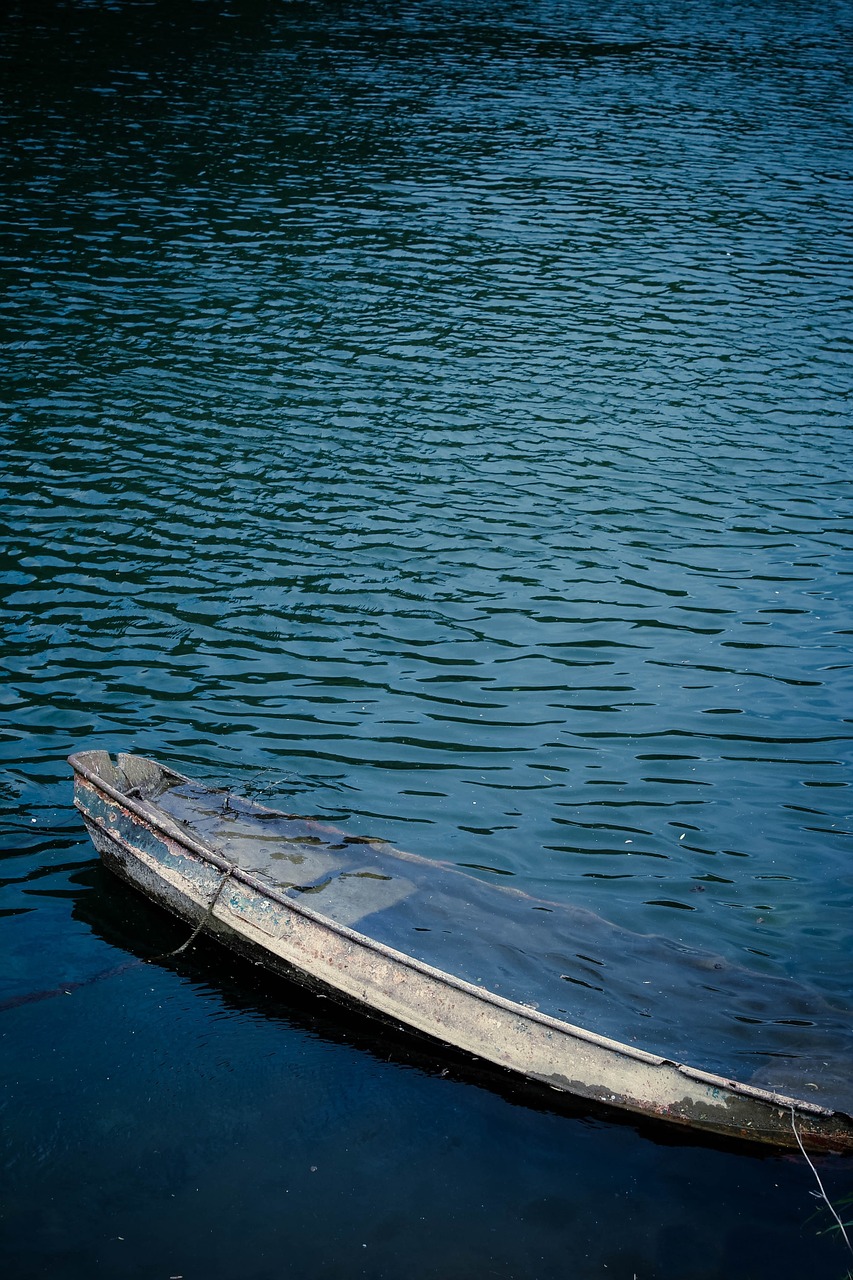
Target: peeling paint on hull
(178,872)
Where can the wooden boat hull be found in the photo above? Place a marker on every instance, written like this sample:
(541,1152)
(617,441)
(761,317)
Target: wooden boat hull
(248,915)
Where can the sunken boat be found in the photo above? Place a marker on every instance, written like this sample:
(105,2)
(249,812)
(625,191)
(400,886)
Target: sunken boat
(546,991)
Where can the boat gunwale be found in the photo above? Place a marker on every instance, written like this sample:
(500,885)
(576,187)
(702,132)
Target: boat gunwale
(169,829)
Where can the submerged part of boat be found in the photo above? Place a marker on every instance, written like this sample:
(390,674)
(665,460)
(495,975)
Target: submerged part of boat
(551,992)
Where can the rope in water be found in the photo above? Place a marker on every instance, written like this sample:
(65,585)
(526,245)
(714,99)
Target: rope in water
(202,922)
(823,1195)
(68,988)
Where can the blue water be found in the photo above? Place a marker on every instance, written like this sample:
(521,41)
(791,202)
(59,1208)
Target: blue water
(434,418)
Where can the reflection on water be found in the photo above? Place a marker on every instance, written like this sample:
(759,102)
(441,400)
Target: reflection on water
(435,418)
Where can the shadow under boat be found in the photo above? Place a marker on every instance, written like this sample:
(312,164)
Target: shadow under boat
(115,914)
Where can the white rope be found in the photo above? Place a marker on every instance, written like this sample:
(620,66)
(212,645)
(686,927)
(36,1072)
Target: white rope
(826,1198)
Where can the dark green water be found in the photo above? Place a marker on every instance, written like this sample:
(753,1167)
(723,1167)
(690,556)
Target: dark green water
(434,417)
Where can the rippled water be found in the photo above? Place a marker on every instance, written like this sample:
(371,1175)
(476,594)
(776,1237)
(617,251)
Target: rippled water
(435,417)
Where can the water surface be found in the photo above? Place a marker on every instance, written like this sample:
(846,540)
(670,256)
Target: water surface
(432,418)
